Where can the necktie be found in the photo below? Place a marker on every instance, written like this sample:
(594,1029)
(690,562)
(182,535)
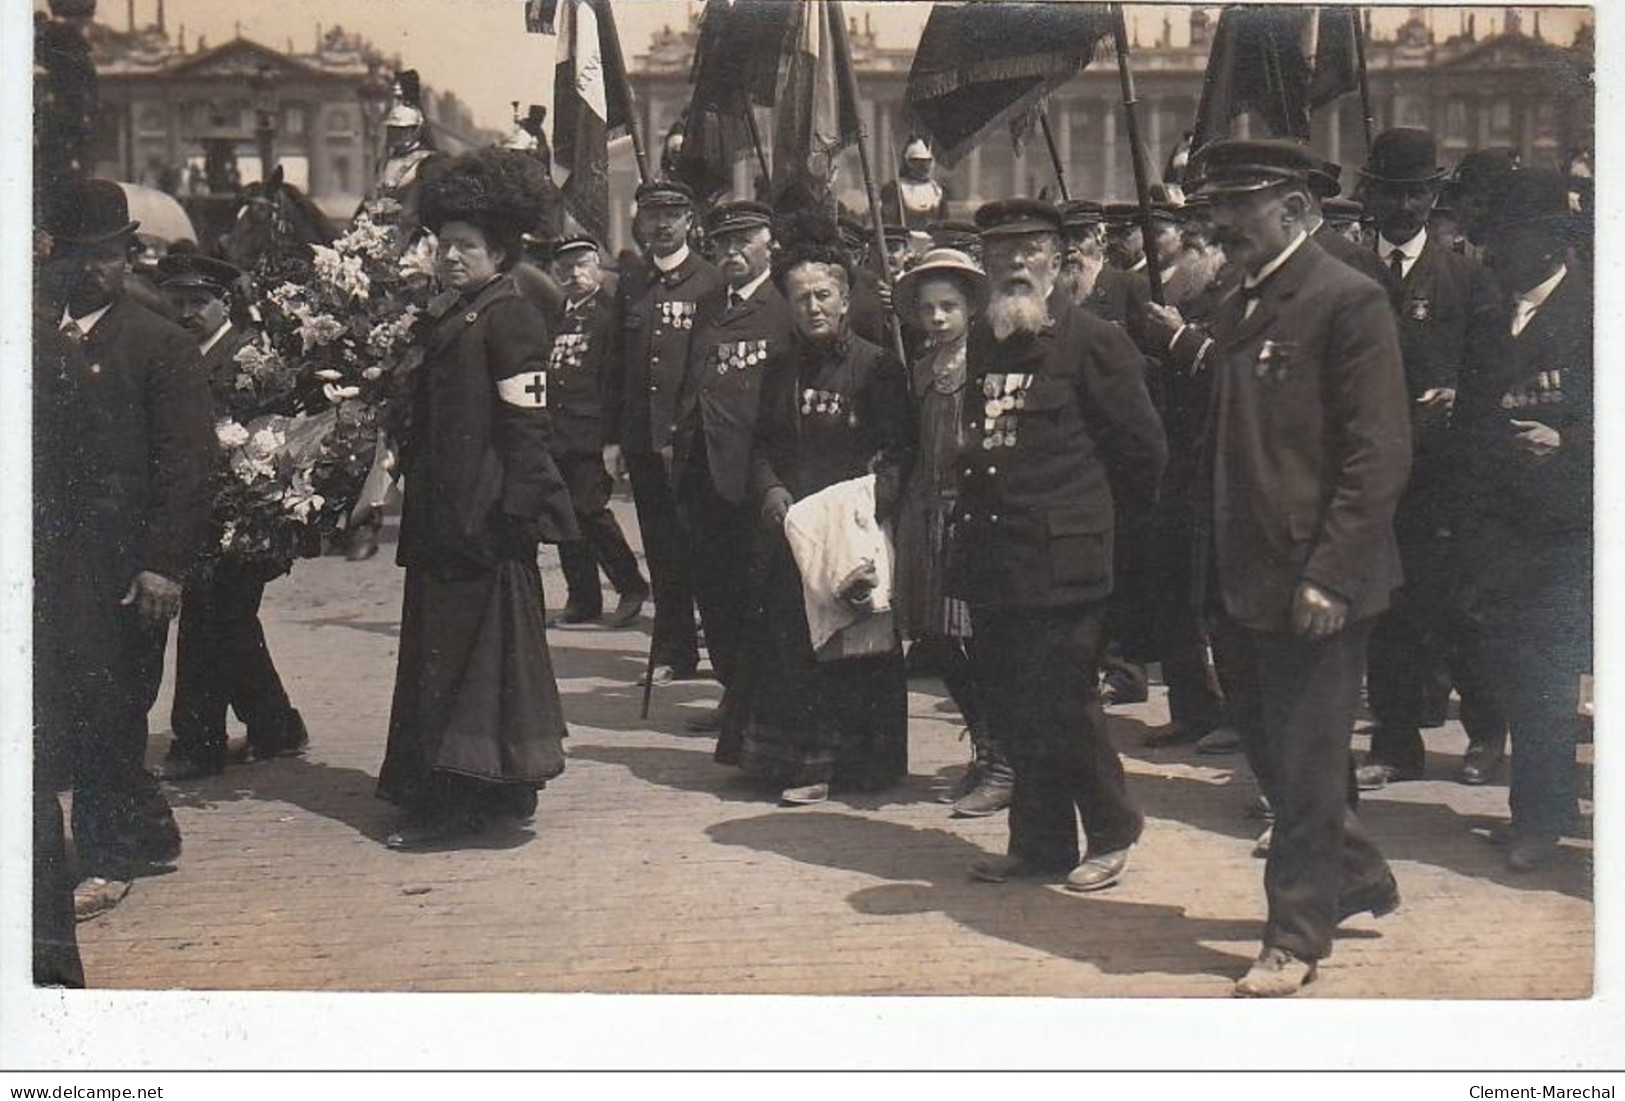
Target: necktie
(1249,298)
(1396,264)
(735,299)
(1521,314)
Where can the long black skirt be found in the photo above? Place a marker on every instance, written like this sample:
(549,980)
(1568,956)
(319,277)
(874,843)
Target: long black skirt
(476,725)
(805,721)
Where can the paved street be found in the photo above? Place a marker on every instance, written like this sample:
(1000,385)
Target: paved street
(651,869)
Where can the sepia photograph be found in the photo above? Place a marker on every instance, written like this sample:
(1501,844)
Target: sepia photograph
(982,501)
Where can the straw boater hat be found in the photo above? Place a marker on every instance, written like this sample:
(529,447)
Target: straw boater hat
(940,263)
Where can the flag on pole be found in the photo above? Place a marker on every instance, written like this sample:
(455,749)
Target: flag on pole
(813,120)
(1278,62)
(740,49)
(591,103)
(988,63)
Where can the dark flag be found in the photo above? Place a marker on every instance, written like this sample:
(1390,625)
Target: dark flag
(591,103)
(814,119)
(1278,62)
(987,63)
(540,15)
(736,65)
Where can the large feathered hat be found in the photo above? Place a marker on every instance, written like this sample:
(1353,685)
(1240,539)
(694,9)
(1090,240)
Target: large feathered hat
(500,190)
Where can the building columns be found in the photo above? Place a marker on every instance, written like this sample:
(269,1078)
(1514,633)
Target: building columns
(1108,184)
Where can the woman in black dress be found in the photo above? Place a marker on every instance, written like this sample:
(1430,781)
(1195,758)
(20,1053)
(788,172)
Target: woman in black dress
(476,727)
(838,412)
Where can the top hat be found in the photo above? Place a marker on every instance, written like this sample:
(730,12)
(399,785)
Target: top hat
(578,243)
(1236,167)
(1014,217)
(94,212)
(739,215)
(941,262)
(663,193)
(179,270)
(1404,155)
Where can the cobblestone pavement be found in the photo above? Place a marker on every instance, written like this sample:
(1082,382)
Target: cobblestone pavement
(651,869)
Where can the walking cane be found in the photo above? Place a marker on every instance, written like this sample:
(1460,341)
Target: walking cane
(648,675)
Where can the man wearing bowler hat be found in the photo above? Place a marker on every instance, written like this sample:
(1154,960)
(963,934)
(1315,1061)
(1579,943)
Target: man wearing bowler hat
(1524,505)
(121,508)
(576,364)
(656,305)
(1058,427)
(1447,310)
(742,333)
(1304,460)
(221,657)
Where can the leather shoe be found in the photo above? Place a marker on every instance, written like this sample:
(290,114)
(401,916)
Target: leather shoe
(1098,872)
(1481,762)
(666,674)
(95,896)
(706,722)
(1377,899)
(1175,733)
(1223,739)
(571,615)
(994,787)
(627,610)
(804,796)
(1276,973)
(1379,774)
(1002,869)
(437,831)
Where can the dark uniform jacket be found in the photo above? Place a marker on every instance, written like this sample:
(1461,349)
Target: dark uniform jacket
(655,313)
(576,365)
(735,347)
(1448,304)
(1057,424)
(843,411)
(476,449)
(126,445)
(1308,443)
(1543,374)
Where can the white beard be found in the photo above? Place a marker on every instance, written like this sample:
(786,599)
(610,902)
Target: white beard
(1022,310)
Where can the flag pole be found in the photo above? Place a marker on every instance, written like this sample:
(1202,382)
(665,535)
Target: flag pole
(610,39)
(1142,185)
(1054,154)
(1369,119)
(849,86)
(756,140)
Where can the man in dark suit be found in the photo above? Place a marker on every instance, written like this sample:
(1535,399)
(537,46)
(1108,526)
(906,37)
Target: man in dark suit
(741,333)
(1524,545)
(582,334)
(1058,426)
(1307,450)
(124,445)
(1447,306)
(656,304)
(221,659)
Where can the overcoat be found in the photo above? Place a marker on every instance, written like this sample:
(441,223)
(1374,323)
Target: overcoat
(576,364)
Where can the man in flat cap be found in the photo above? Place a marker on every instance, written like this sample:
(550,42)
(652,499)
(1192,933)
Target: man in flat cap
(1305,459)
(221,657)
(576,364)
(1524,538)
(656,306)
(1084,230)
(741,334)
(1448,309)
(121,508)
(1057,427)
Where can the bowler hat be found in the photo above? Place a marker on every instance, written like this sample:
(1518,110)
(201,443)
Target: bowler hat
(1240,166)
(191,269)
(1014,217)
(1537,196)
(664,193)
(941,262)
(1325,180)
(93,212)
(738,215)
(1404,155)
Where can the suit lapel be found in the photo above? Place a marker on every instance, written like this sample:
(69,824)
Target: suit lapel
(1280,289)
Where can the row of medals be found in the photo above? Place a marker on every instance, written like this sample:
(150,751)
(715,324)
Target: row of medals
(740,354)
(827,403)
(677,314)
(1006,396)
(569,349)
(1548,390)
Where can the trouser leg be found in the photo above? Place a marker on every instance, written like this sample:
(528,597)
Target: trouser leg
(580,568)
(721,538)
(675,641)
(610,549)
(56,945)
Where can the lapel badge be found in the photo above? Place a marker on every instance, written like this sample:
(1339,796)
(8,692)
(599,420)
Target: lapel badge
(1274,360)
(1419,308)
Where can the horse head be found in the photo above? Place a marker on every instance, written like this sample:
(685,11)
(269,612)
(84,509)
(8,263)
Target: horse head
(274,226)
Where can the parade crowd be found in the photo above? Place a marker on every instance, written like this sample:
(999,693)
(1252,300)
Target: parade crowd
(1293,446)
